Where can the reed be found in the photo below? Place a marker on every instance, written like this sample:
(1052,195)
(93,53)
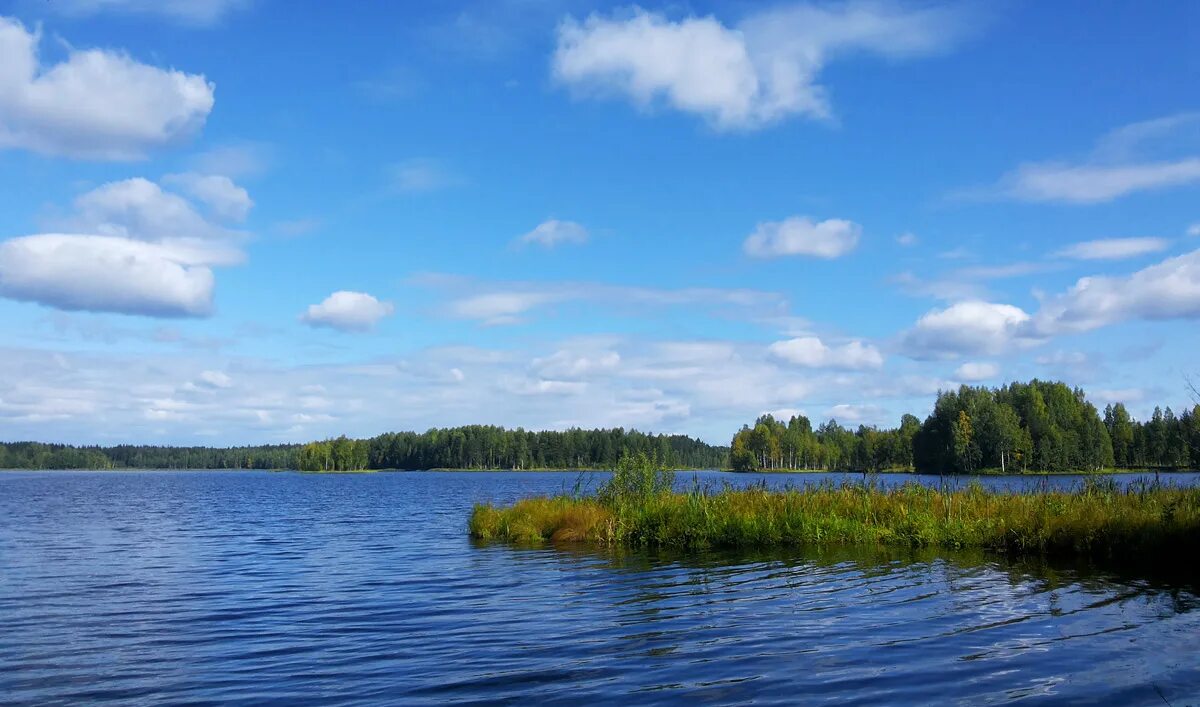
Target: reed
(1097,519)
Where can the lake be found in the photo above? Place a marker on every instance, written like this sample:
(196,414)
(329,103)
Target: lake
(218,587)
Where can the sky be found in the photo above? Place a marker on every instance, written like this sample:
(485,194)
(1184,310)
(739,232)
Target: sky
(251,221)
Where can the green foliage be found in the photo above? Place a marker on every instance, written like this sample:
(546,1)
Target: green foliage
(471,447)
(771,444)
(35,455)
(636,479)
(1097,520)
(1038,426)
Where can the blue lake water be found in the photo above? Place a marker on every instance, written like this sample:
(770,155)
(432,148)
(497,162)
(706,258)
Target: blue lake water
(251,587)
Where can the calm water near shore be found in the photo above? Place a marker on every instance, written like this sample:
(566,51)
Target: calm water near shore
(217,587)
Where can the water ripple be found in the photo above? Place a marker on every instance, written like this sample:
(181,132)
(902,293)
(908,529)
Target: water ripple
(164,587)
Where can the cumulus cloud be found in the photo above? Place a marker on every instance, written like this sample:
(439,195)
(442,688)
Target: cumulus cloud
(553,232)
(347,311)
(200,13)
(96,104)
(130,247)
(811,352)
(798,235)
(969,327)
(1194,229)
(141,209)
(974,371)
(746,76)
(106,273)
(1166,290)
(226,200)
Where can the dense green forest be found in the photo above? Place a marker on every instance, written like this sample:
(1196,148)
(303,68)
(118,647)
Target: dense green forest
(1035,426)
(35,455)
(487,447)
(472,447)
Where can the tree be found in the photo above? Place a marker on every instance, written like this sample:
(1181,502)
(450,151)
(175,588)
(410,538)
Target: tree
(966,451)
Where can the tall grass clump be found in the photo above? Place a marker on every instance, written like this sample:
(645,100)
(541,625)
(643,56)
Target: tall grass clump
(637,507)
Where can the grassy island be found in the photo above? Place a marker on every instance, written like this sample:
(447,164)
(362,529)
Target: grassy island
(638,508)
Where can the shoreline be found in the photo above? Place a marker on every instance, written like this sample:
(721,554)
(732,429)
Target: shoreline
(889,472)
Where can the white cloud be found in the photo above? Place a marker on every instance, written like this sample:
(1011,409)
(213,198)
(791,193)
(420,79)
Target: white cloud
(844,412)
(1142,156)
(201,13)
(700,387)
(798,235)
(761,71)
(226,200)
(811,352)
(140,209)
(970,327)
(525,386)
(508,302)
(97,104)
(942,288)
(974,371)
(347,311)
(215,379)
(421,175)
(106,273)
(130,247)
(1091,184)
(1194,229)
(1114,248)
(553,232)
(565,364)
(1166,290)
(907,239)
(495,308)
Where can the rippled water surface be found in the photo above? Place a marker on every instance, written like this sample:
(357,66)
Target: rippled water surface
(218,587)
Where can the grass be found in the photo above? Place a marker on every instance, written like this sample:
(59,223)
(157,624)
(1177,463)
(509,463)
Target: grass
(1098,520)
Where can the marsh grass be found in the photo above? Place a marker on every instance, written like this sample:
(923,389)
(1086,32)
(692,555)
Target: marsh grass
(1098,519)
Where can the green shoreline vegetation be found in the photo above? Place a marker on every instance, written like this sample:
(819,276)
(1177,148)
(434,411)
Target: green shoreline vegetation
(637,508)
(1042,427)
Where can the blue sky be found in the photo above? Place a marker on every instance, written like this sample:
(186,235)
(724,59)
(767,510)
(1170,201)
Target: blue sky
(228,221)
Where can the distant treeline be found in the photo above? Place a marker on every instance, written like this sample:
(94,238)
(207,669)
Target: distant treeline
(487,447)
(36,455)
(1035,426)
(472,447)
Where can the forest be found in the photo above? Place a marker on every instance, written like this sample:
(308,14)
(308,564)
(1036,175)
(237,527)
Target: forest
(1035,426)
(488,447)
(471,447)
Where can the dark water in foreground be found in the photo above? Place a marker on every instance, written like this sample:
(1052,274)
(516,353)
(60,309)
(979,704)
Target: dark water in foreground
(219,587)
